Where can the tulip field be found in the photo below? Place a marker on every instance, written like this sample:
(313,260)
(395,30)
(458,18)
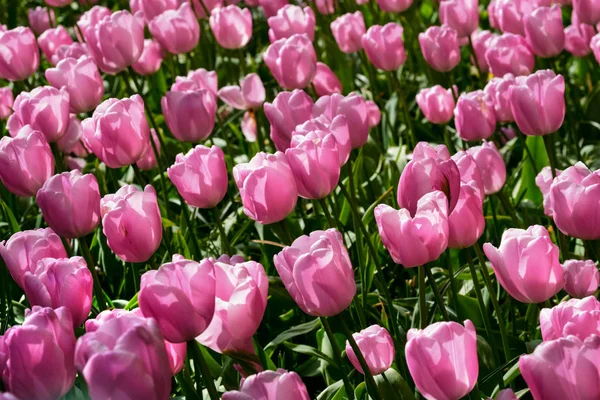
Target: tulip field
(299,199)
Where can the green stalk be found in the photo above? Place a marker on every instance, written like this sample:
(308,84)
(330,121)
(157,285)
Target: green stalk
(422,299)
(59,160)
(224,242)
(436,292)
(200,364)
(549,144)
(453,287)
(337,357)
(92,267)
(330,220)
(474,54)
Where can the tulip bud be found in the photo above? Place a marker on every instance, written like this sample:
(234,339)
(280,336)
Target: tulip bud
(510,14)
(588,11)
(6,102)
(469,171)
(578,37)
(442,359)
(491,165)
(384,46)
(581,277)
(545,31)
(151,59)
(474,116)
(462,15)
(270,7)
(291,19)
(348,30)
(279,383)
(377,347)
(20,56)
(153,8)
(89,19)
(248,96)
(338,127)
(374,114)
(580,318)
(509,54)
(499,91)
(52,39)
(292,61)
(190,115)
(195,80)
(353,107)
(543,181)
(439,46)
(73,50)
(466,223)
(436,104)
(148,160)
(288,110)
(325,81)
(177,31)
(231,26)
(39,19)
(482,41)
(397,6)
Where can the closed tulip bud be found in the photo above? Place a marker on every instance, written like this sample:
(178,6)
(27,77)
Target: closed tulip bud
(45,109)
(201,6)
(565,368)
(125,358)
(588,11)
(288,110)
(466,223)
(26,162)
(241,301)
(153,8)
(354,108)
(190,115)
(20,56)
(317,272)
(469,171)
(270,385)
(338,127)
(436,104)
(24,249)
(249,95)
(62,282)
(231,26)
(82,80)
(544,31)
(374,114)
(414,241)
(177,31)
(509,54)
(499,91)
(578,37)
(348,30)
(580,318)
(394,5)
(491,165)
(292,61)
(148,160)
(384,46)
(462,15)
(442,359)
(47,337)
(429,170)
(39,19)
(150,60)
(439,45)
(6,102)
(52,39)
(200,176)
(290,20)
(543,181)
(73,50)
(325,81)
(581,277)
(132,223)
(377,347)
(482,40)
(474,116)
(195,80)
(526,264)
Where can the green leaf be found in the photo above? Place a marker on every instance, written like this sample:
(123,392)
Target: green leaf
(391,386)
(309,351)
(331,391)
(470,307)
(527,184)
(12,221)
(294,331)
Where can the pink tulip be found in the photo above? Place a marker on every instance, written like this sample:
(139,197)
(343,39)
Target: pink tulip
(338,127)
(466,223)
(132,223)
(288,110)
(440,49)
(509,54)
(241,301)
(177,31)
(292,61)
(248,96)
(200,176)
(578,37)
(348,30)
(491,165)
(75,163)
(89,20)
(353,107)
(377,347)
(580,318)
(429,170)
(506,394)
(125,358)
(52,39)
(231,26)
(442,359)
(581,278)
(73,50)
(563,369)
(538,102)
(39,19)
(384,46)
(82,80)
(201,7)
(317,272)
(290,20)
(62,282)
(544,180)
(510,14)
(436,104)
(462,15)
(24,249)
(195,80)
(47,340)
(20,56)
(71,140)
(151,59)
(544,31)
(58,3)
(493,14)
(270,385)
(325,81)
(414,241)
(26,162)
(8,396)
(148,159)
(595,46)
(374,114)
(396,6)
(482,40)
(190,115)
(6,102)
(270,7)
(153,8)
(469,171)
(588,11)
(499,91)
(526,264)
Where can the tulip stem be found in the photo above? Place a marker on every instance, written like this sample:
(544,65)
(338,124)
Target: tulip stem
(337,357)
(138,175)
(474,54)
(436,292)
(87,254)
(224,242)
(327,214)
(200,363)
(422,299)
(549,143)
(59,160)
(407,119)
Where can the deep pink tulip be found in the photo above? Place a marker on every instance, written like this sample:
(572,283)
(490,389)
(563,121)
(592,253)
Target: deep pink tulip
(47,340)
(190,115)
(39,19)
(270,385)
(177,31)
(580,318)
(231,26)
(6,102)
(82,80)
(24,249)
(482,40)
(510,14)
(71,141)
(291,19)
(436,104)
(509,54)
(581,277)
(377,347)
(148,159)
(338,127)
(384,46)
(241,301)
(132,223)
(325,81)
(499,91)
(200,176)
(270,7)
(526,264)
(73,50)
(348,30)
(469,171)
(565,368)
(429,170)
(544,31)
(58,3)
(52,39)
(150,60)
(288,110)
(588,11)
(198,79)
(543,181)
(374,114)
(45,109)
(491,165)
(466,223)
(26,162)
(578,37)
(153,8)
(462,15)
(292,61)
(125,358)
(20,56)
(353,107)
(397,6)
(61,282)
(414,241)
(442,359)
(538,102)
(440,49)
(249,95)
(317,272)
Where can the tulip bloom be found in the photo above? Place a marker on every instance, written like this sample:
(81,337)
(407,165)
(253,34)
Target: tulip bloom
(474,116)
(462,15)
(510,14)
(374,114)
(348,30)
(317,272)
(71,140)
(190,115)
(6,102)
(580,318)
(148,160)
(543,181)
(24,249)
(132,223)
(506,394)
(153,8)
(526,264)
(39,19)
(338,127)
(325,81)
(58,3)
(52,39)
(288,110)
(482,41)
(195,80)
(578,37)
(249,95)
(499,91)
(396,6)
(269,7)
(509,54)
(177,31)
(581,277)
(491,165)
(150,60)
(588,11)
(291,19)
(353,107)
(442,359)
(466,223)
(377,347)
(231,26)
(544,31)
(89,19)
(200,176)
(384,46)
(436,104)
(73,50)
(325,7)
(440,49)
(270,385)
(20,56)
(292,61)
(469,170)
(26,162)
